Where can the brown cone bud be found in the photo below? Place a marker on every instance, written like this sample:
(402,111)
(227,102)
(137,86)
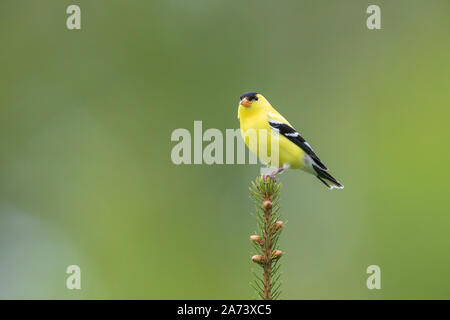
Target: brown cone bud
(255,238)
(278,225)
(277,254)
(257,258)
(267,204)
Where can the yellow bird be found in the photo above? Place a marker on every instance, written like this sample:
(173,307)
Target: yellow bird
(255,113)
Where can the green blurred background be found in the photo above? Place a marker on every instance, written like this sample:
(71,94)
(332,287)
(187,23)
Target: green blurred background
(86,118)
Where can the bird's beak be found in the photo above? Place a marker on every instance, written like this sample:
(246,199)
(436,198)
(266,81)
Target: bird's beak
(245,102)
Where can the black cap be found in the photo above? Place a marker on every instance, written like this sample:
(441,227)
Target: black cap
(249,95)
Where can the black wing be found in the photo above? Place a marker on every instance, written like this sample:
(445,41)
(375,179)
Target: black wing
(290,133)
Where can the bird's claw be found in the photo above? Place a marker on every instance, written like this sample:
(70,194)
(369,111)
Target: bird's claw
(274,173)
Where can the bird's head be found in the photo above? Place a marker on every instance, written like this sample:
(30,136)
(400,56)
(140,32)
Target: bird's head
(252,101)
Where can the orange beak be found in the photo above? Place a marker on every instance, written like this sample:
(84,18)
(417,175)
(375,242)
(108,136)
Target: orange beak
(245,102)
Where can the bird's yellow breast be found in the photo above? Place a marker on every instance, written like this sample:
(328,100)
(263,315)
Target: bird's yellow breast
(258,135)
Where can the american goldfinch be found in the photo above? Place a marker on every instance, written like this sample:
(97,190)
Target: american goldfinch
(256,113)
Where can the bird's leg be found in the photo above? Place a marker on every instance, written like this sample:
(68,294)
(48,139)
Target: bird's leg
(274,173)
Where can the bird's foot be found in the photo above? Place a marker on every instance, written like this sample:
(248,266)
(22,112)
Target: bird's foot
(269,176)
(274,173)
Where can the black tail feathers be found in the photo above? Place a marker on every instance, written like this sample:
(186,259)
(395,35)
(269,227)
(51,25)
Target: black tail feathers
(327,178)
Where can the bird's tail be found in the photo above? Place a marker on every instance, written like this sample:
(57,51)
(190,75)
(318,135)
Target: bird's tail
(327,178)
